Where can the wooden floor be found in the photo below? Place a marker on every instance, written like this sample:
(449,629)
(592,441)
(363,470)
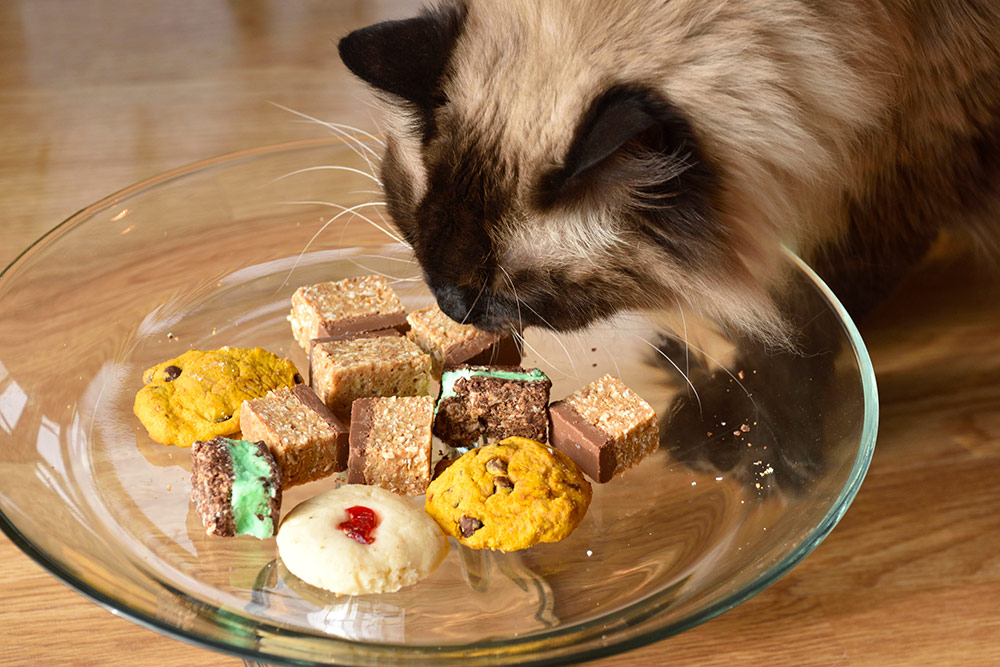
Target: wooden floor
(97,94)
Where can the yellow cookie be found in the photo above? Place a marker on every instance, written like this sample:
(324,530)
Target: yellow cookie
(509,496)
(197,396)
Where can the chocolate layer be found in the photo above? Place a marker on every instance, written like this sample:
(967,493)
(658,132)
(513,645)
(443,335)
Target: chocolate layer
(310,400)
(488,349)
(364,323)
(211,486)
(587,445)
(362,411)
(347,335)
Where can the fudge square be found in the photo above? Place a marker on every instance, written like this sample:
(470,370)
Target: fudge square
(605,428)
(451,343)
(306,439)
(365,303)
(491,402)
(391,443)
(347,369)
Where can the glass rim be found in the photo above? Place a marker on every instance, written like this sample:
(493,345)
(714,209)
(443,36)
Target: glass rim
(636,614)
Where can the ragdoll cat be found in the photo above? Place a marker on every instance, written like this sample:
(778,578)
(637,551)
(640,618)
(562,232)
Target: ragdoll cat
(584,156)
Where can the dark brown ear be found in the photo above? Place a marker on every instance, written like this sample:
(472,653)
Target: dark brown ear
(405,58)
(616,117)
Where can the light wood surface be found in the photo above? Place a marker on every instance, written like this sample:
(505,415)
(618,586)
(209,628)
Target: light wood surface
(97,94)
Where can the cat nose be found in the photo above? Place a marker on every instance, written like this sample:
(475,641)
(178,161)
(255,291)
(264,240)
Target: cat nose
(456,302)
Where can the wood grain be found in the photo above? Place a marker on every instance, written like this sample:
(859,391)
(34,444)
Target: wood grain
(97,94)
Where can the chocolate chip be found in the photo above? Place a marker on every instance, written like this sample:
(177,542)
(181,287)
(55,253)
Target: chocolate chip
(469,525)
(219,420)
(496,466)
(172,373)
(297,379)
(502,483)
(441,466)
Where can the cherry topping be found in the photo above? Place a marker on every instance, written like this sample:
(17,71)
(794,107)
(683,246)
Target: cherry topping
(361,521)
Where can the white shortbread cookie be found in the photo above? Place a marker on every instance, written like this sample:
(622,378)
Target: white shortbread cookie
(407,546)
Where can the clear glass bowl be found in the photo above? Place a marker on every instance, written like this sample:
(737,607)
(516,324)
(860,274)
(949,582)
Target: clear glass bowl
(762,450)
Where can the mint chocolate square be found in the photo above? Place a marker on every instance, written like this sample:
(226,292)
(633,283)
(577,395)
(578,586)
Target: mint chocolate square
(489,403)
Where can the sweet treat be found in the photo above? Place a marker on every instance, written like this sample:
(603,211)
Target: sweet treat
(605,428)
(197,396)
(356,540)
(236,487)
(451,343)
(509,495)
(306,439)
(346,336)
(391,443)
(492,403)
(365,303)
(347,369)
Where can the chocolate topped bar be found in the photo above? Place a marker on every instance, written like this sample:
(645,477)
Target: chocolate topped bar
(491,403)
(605,428)
(343,370)
(391,443)
(451,343)
(379,333)
(306,439)
(236,487)
(365,303)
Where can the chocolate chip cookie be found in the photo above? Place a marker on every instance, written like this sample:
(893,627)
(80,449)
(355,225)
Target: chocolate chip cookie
(509,496)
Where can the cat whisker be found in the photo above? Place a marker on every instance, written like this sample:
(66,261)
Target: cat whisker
(359,148)
(353,209)
(326,224)
(715,361)
(389,276)
(340,128)
(524,342)
(671,362)
(474,302)
(329,166)
(517,301)
(555,336)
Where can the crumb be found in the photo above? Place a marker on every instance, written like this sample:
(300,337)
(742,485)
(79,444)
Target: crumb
(740,375)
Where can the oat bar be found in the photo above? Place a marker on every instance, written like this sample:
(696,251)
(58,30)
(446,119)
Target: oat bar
(306,439)
(347,369)
(365,303)
(391,443)
(605,428)
(451,343)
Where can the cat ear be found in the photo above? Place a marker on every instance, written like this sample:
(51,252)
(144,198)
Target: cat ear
(405,58)
(616,117)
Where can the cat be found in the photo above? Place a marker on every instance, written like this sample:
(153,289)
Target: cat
(552,162)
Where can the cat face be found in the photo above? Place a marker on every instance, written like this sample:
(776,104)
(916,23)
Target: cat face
(545,175)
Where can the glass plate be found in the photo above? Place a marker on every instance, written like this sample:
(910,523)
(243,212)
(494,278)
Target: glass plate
(762,450)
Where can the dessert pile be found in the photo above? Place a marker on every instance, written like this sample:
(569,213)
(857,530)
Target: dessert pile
(383,387)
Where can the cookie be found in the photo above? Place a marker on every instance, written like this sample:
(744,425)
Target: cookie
(197,396)
(509,496)
(356,540)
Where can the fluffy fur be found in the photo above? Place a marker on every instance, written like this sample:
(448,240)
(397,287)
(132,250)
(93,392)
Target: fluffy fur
(552,162)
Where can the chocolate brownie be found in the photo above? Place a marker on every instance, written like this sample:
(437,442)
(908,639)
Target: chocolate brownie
(491,403)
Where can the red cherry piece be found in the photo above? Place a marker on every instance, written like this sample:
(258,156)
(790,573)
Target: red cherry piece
(361,521)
